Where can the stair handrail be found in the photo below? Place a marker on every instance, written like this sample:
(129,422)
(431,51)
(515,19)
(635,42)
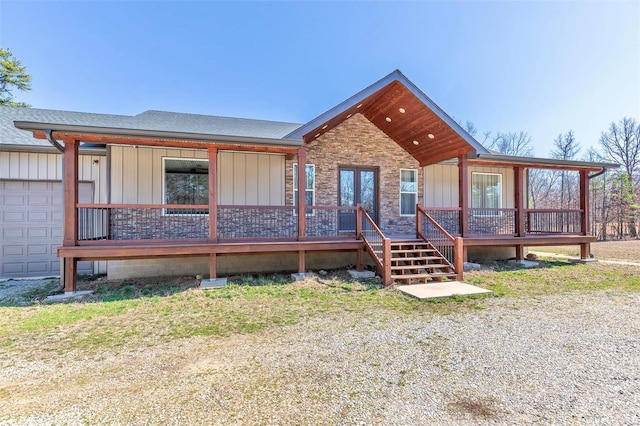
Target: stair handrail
(382,258)
(457,261)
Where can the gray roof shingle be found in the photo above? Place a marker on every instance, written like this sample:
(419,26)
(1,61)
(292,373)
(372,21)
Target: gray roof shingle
(148,120)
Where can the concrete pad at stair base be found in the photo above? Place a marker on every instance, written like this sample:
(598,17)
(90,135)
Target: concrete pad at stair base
(68,297)
(213,283)
(441,289)
(302,275)
(361,274)
(525,263)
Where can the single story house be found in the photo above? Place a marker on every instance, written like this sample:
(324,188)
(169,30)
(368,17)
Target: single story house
(389,179)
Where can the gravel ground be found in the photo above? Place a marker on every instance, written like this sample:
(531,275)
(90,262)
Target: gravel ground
(567,359)
(21,292)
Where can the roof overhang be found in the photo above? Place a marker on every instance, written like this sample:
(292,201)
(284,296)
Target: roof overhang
(542,163)
(152,137)
(404,113)
(48,149)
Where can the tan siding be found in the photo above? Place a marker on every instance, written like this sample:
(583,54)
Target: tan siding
(251,182)
(277,182)
(116,174)
(263,168)
(225,172)
(145,176)
(441,185)
(243,178)
(239,182)
(156,171)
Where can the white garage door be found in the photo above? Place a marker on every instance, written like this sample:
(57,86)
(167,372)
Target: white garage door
(31,228)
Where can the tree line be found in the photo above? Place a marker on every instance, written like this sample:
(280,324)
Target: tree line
(614,195)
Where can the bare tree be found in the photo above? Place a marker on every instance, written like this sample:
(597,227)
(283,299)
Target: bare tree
(512,143)
(621,144)
(566,147)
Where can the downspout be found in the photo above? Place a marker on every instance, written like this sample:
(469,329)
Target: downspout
(604,169)
(55,143)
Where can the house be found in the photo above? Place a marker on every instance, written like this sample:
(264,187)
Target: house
(389,178)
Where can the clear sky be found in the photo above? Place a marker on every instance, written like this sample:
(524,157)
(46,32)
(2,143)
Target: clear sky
(542,67)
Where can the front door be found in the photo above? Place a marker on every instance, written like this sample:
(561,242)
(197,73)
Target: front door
(357,185)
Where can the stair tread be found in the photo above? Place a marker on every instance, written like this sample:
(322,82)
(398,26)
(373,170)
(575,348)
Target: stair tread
(398,259)
(413,251)
(410,276)
(428,266)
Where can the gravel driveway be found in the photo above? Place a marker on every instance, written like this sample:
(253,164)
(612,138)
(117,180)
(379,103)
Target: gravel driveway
(567,359)
(21,292)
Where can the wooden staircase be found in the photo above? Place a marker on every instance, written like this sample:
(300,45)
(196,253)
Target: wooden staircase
(414,260)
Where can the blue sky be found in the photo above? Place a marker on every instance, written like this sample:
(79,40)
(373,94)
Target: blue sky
(541,67)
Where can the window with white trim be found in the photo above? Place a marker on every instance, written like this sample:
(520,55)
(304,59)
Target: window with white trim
(408,191)
(185,181)
(310,186)
(486,192)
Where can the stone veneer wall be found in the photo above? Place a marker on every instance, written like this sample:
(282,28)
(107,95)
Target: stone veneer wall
(358,142)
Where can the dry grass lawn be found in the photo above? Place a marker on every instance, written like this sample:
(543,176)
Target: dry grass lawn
(607,250)
(322,351)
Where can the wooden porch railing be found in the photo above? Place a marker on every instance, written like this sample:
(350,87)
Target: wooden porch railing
(504,221)
(447,217)
(449,247)
(492,221)
(378,246)
(554,221)
(168,222)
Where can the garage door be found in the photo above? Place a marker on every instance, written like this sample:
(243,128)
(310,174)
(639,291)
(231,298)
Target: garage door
(31,228)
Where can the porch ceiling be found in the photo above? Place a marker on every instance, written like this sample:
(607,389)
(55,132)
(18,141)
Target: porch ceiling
(406,119)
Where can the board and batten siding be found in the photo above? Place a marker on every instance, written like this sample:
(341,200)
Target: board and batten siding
(48,167)
(441,184)
(243,178)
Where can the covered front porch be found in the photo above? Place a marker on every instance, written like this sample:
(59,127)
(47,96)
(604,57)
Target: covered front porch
(389,132)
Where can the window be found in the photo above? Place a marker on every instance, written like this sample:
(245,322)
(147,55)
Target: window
(185,181)
(486,193)
(408,192)
(311,185)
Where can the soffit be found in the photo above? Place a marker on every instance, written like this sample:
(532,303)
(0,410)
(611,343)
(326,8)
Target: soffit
(402,116)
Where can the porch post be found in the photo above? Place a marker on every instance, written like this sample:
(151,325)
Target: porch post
(585,249)
(70,192)
(70,238)
(360,251)
(213,194)
(213,208)
(518,173)
(302,194)
(463,194)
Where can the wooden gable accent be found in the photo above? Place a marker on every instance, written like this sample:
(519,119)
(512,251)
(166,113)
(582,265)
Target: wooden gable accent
(403,117)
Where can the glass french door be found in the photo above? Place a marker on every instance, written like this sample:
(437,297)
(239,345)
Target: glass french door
(357,185)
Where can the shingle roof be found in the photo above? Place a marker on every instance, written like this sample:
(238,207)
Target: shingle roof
(215,125)
(148,120)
